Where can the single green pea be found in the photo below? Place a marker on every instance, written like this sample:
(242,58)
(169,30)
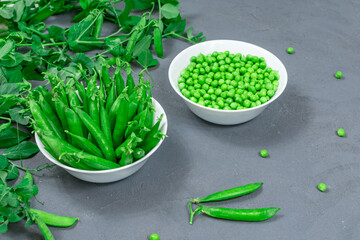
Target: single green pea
(322,187)
(264,153)
(154,236)
(341,132)
(290,50)
(338,74)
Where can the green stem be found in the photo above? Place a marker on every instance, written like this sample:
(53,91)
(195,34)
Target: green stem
(38,169)
(118,31)
(159,10)
(37,32)
(44,45)
(177,35)
(90,25)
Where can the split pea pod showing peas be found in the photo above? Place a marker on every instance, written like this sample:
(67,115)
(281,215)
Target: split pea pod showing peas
(229,193)
(54,220)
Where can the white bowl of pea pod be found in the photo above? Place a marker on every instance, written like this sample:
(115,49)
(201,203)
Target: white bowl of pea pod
(220,116)
(112,175)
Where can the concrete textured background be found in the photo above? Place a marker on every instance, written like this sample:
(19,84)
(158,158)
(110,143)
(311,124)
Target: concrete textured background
(199,158)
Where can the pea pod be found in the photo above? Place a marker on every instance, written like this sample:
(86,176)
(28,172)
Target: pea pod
(75,124)
(94,110)
(121,123)
(105,125)
(126,159)
(73,98)
(134,103)
(111,97)
(82,92)
(119,81)
(250,215)
(138,153)
(52,219)
(129,144)
(153,137)
(94,161)
(158,43)
(40,119)
(44,229)
(85,144)
(60,110)
(113,112)
(229,193)
(98,25)
(99,136)
(105,77)
(130,84)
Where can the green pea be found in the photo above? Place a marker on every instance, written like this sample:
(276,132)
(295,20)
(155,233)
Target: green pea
(264,153)
(154,236)
(246,103)
(290,50)
(270,93)
(218,91)
(341,132)
(322,187)
(338,74)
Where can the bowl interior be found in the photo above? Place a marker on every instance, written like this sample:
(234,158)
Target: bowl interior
(182,60)
(164,125)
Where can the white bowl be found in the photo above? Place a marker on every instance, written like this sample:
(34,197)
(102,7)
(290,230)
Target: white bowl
(225,117)
(112,175)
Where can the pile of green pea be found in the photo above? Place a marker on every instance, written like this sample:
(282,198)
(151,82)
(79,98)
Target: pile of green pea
(227,81)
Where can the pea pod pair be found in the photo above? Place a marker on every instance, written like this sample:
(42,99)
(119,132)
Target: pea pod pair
(252,215)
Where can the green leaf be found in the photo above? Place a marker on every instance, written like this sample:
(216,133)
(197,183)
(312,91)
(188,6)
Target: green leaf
(13,172)
(9,45)
(169,11)
(3,176)
(18,10)
(14,217)
(16,76)
(19,115)
(176,27)
(4,126)
(11,199)
(4,227)
(84,60)
(28,3)
(12,59)
(21,151)
(142,45)
(9,89)
(56,33)
(84,3)
(7,102)
(39,48)
(143,4)
(4,162)
(129,5)
(7,12)
(11,137)
(146,59)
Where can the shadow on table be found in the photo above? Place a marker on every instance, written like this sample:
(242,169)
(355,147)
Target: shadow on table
(281,121)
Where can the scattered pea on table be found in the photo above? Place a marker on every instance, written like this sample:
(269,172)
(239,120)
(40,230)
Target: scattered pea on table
(264,153)
(341,132)
(154,236)
(290,50)
(322,187)
(338,74)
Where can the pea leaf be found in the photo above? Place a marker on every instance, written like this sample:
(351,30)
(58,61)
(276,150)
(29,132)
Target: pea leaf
(84,60)
(84,3)
(9,89)
(9,45)
(21,151)
(7,12)
(13,172)
(19,115)
(3,175)
(169,11)
(142,45)
(56,33)
(7,102)
(3,162)
(4,227)
(12,60)
(18,10)
(146,59)
(16,76)
(128,7)
(12,136)
(5,125)
(142,4)
(11,199)
(176,27)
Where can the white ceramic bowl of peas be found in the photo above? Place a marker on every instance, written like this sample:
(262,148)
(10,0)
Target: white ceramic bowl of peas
(220,116)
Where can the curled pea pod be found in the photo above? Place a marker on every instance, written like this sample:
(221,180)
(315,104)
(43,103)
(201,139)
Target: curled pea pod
(85,144)
(250,215)
(229,193)
(52,219)
(158,43)
(138,153)
(98,135)
(44,229)
(121,123)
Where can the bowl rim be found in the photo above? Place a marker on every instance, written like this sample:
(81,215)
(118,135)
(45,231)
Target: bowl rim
(95,172)
(221,110)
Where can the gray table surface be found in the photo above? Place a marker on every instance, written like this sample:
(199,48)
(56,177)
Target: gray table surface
(199,158)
